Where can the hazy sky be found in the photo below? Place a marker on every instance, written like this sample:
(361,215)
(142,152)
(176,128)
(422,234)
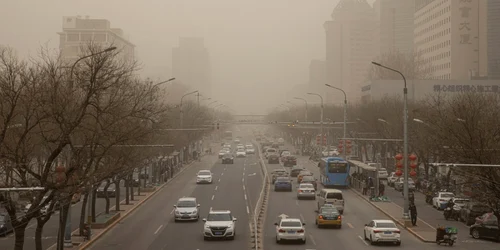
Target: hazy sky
(258,48)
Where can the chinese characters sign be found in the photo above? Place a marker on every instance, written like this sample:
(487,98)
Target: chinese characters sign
(467,88)
(465,21)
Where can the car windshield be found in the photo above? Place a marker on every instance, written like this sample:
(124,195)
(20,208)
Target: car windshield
(282,179)
(241,150)
(219,217)
(447,195)
(204,173)
(305,173)
(386,225)
(186,204)
(279,171)
(291,224)
(306,186)
(334,167)
(329,210)
(308,178)
(285,153)
(337,196)
(228,155)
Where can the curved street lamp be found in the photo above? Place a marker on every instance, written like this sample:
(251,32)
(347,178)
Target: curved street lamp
(180,106)
(305,101)
(322,107)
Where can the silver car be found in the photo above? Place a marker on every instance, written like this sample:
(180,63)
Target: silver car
(186,209)
(306,191)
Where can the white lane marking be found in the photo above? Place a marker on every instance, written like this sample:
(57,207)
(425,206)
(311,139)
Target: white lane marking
(243,168)
(157,230)
(245,197)
(350,225)
(216,188)
(222,174)
(243,174)
(219,180)
(213,196)
(171,212)
(362,240)
(243,187)
(312,239)
(248,210)
(297,202)
(302,218)
(210,209)
(243,179)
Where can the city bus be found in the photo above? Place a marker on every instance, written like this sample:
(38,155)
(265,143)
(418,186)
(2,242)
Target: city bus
(334,172)
(228,135)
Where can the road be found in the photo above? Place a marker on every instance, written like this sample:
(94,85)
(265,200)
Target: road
(50,229)
(236,187)
(357,213)
(434,217)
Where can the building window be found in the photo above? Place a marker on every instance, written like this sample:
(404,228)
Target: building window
(73,37)
(86,37)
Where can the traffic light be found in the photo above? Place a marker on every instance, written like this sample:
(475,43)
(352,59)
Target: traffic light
(217,125)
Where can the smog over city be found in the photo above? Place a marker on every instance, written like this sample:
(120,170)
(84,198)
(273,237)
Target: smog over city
(249,124)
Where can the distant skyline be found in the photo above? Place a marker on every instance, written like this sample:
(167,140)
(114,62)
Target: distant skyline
(255,46)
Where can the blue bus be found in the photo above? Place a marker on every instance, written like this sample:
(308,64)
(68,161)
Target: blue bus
(334,172)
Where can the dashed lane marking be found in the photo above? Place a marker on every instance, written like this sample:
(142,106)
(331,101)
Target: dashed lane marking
(219,180)
(243,179)
(350,225)
(296,202)
(222,174)
(248,210)
(216,188)
(171,212)
(302,218)
(362,240)
(312,239)
(213,196)
(243,187)
(157,230)
(245,197)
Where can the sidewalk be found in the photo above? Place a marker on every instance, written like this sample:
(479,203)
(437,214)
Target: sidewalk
(424,231)
(78,241)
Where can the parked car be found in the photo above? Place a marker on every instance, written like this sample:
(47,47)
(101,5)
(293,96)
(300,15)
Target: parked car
(486,218)
(488,229)
(392,179)
(400,184)
(442,198)
(471,210)
(111,191)
(5,224)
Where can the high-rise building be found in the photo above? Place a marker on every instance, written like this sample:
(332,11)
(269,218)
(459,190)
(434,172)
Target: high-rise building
(349,48)
(395,25)
(317,73)
(451,36)
(493,39)
(191,64)
(78,31)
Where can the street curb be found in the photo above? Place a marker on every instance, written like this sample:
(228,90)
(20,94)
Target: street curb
(87,244)
(259,217)
(393,218)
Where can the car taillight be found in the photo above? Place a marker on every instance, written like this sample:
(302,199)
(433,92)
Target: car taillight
(300,191)
(442,200)
(396,231)
(300,231)
(339,218)
(281,231)
(377,231)
(321,217)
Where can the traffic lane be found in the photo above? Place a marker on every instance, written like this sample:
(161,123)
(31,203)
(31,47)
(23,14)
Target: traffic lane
(253,181)
(137,230)
(435,217)
(227,194)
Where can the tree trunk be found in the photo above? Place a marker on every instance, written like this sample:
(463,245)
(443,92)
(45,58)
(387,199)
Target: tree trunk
(62,226)
(106,197)
(19,231)
(82,213)
(127,184)
(117,195)
(38,233)
(94,199)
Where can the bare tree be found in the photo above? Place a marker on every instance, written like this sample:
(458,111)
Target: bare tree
(411,65)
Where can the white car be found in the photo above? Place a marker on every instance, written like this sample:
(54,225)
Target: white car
(439,202)
(378,231)
(281,141)
(382,173)
(222,152)
(250,150)
(399,184)
(392,179)
(241,152)
(186,209)
(306,191)
(219,224)
(204,176)
(290,229)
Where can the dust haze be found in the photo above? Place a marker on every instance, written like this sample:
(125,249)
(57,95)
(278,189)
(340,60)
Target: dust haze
(258,49)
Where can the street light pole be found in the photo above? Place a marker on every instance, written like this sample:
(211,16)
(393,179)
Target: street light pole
(298,98)
(405,141)
(67,230)
(345,118)
(180,107)
(296,109)
(322,107)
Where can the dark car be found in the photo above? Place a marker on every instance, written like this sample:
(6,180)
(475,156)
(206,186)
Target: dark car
(310,179)
(278,173)
(227,159)
(296,171)
(273,159)
(290,161)
(283,183)
(111,191)
(471,210)
(5,224)
(488,229)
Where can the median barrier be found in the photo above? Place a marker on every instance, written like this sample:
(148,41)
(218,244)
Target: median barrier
(103,220)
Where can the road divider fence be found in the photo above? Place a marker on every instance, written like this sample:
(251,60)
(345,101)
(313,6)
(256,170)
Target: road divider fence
(259,213)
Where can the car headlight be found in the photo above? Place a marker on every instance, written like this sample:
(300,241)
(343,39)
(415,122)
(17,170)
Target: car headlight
(177,212)
(206,226)
(194,212)
(230,226)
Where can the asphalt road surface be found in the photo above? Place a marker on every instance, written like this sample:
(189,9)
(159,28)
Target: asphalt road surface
(434,217)
(357,213)
(50,229)
(236,187)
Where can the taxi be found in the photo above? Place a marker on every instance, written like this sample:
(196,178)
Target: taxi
(328,215)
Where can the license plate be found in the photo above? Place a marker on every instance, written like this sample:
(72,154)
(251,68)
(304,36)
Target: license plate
(218,233)
(185,216)
(291,232)
(387,232)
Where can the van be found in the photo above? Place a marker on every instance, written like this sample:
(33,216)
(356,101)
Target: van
(331,196)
